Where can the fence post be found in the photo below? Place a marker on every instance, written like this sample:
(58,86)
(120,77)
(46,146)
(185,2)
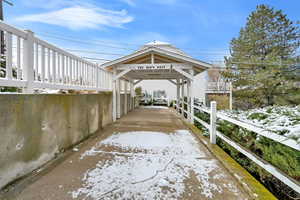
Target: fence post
(213,120)
(230,96)
(28,61)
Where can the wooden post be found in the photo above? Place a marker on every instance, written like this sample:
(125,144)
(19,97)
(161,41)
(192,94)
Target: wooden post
(178,95)
(125,98)
(132,96)
(188,94)
(213,121)
(114,85)
(118,99)
(182,97)
(192,98)
(28,61)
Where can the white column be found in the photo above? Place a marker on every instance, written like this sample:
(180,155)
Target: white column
(118,99)
(125,98)
(131,95)
(213,120)
(188,94)
(182,97)
(178,94)
(28,61)
(192,97)
(114,96)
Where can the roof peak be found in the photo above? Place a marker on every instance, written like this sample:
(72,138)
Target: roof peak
(157,43)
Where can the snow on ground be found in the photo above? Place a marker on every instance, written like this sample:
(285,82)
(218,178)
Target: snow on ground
(155,107)
(282,120)
(150,165)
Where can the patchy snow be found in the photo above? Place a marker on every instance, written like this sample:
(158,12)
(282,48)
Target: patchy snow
(158,169)
(155,107)
(283,120)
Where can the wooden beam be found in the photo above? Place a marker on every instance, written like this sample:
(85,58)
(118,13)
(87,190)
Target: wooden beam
(137,82)
(152,58)
(187,75)
(172,81)
(122,74)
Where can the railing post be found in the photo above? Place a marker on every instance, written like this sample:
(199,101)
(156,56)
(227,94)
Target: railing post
(28,61)
(213,121)
(114,87)
(230,96)
(125,98)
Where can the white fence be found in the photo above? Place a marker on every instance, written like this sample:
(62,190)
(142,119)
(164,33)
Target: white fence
(212,127)
(34,63)
(218,86)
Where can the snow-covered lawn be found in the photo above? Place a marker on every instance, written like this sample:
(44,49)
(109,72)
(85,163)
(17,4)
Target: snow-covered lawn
(282,120)
(152,165)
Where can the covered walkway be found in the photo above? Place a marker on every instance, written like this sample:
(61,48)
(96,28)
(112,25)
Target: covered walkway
(147,154)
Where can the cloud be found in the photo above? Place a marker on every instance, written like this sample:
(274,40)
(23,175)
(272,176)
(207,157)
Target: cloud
(81,17)
(129,2)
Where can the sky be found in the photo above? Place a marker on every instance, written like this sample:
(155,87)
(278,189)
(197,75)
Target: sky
(108,29)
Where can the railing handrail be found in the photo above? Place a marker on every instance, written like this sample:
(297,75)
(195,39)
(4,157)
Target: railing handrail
(40,64)
(258,130)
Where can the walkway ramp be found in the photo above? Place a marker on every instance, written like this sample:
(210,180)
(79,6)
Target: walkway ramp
(147,154)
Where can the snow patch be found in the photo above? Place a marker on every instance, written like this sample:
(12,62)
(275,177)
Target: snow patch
(158,170)
(282,120)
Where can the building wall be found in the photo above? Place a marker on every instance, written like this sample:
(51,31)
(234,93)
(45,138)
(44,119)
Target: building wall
(34,128)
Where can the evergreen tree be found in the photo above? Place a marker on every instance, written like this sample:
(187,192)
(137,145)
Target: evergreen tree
(261,55)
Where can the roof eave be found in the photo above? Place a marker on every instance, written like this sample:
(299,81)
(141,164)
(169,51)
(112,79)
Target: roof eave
(197,63)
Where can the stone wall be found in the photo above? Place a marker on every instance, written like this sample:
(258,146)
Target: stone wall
(35,128)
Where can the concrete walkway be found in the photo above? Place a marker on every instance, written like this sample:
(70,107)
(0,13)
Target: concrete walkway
(148,154)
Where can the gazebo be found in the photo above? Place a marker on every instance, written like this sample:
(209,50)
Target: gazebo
(156,61)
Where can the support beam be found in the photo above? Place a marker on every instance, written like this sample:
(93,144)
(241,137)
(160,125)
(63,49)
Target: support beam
(125,98)
(178,94)
(188,95)
(187,75)
(122,73)
(118,99)
(213,121)
(131,96)
(182,97)
(114,85)
(137,82)
(172,81)
(192,113)
(152,58)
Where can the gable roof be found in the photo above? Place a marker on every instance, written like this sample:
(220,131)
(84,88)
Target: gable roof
(162,49)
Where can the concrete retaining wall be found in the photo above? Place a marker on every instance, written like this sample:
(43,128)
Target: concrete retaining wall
(34,128)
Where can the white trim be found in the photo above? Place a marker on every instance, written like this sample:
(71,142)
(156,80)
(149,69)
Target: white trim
(137,82)
(187,75)
(172,81)
(121,74)
(163,52)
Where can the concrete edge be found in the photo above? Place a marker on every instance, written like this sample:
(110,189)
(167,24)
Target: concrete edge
(254,188)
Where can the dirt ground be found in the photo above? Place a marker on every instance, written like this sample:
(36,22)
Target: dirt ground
(147,154)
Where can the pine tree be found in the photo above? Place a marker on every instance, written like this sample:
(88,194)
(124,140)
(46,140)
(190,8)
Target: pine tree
(261,55)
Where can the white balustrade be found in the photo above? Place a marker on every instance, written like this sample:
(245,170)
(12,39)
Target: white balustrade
(32,63)
(214,115)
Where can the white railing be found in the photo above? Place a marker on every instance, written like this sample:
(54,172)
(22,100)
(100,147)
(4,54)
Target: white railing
(218,86)
(212,127)
(34,63)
